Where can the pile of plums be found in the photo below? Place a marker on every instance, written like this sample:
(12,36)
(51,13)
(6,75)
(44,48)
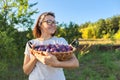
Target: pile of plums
(54,48)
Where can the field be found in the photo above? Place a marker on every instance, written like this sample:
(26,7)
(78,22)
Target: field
(99,60)
(99,41)
(97,65)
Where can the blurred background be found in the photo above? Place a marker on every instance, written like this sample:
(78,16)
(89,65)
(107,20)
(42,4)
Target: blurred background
(95,25)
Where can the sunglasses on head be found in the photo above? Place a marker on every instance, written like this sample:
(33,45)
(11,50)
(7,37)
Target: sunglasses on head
(50,22)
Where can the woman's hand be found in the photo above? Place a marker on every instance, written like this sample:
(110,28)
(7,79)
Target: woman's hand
(32,54)
(47,58)
(29,62)
(51,60)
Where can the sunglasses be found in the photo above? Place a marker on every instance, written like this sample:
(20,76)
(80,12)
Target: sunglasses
(50,22)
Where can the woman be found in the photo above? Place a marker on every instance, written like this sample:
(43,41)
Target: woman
(46,67)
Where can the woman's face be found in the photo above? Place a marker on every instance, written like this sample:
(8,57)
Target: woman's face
(48,25)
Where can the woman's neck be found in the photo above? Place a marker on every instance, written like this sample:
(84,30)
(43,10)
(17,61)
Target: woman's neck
(45,37)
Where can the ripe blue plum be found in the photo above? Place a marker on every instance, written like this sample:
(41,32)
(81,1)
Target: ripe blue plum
(54,48)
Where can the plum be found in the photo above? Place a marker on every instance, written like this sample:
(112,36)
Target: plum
(54,48)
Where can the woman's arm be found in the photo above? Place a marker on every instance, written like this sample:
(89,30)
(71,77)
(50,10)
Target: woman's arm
(51,60)
(28,64)
(72,63)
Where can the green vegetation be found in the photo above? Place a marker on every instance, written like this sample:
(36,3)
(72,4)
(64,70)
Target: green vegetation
(96,65)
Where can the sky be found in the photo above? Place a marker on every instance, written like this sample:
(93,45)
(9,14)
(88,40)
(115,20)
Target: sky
(78,11)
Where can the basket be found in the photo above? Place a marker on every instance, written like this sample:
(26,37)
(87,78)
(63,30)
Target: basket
(61,56)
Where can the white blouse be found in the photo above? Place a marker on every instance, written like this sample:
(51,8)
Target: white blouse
(42,71)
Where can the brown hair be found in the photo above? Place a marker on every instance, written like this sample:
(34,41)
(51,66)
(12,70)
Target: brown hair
(36,30)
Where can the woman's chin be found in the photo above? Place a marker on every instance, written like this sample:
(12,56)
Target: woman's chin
(52,32)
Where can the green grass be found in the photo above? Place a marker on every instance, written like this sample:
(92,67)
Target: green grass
(96,65)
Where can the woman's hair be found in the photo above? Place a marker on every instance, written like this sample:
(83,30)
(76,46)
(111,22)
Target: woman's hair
(36,30)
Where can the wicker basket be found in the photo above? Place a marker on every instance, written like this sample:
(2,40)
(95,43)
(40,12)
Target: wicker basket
(61,56)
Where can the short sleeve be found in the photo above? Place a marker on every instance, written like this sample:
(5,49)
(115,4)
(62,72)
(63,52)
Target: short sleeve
(27,49)
(63,41)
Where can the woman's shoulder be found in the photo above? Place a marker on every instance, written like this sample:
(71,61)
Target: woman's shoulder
(33,41)
(60,40)
(55,37)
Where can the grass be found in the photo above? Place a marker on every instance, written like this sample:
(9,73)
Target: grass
(96,65)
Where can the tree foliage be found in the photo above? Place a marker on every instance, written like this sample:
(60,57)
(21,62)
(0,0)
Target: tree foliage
(69,32)
(17,13)
(14,14)
(103,28)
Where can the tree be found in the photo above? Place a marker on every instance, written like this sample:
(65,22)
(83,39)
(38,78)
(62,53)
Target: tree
(14,14)
(101,28)
(69,32)
(17,13)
